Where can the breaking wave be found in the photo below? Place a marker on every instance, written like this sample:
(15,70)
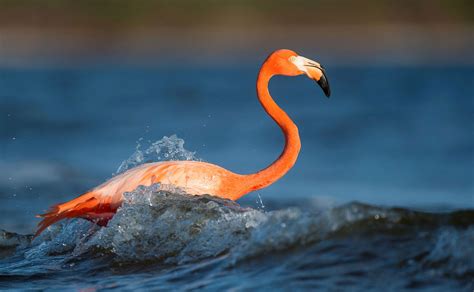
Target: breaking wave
(174,228)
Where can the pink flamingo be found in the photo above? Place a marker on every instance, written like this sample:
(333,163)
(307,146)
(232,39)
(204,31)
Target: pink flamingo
(100,204)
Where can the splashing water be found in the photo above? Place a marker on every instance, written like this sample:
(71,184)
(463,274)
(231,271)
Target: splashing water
(166,149)
(260,202)
(179,235)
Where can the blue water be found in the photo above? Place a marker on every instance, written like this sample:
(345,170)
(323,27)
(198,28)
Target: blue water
(388,136)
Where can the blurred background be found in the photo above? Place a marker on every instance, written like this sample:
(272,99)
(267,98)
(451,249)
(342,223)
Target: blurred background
(82,82)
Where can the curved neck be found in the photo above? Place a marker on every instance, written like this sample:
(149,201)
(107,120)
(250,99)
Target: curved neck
(289,155)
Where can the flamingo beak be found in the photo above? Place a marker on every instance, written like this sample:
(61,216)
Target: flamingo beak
(315,71)
(324,83)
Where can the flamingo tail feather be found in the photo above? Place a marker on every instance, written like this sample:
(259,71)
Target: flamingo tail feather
(82,206)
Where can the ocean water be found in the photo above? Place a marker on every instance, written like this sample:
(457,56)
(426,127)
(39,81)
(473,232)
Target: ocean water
(382,192)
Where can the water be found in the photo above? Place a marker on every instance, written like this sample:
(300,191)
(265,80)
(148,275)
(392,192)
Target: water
(159,240)
(389,136)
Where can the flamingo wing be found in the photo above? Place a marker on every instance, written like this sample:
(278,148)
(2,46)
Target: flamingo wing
(100,204)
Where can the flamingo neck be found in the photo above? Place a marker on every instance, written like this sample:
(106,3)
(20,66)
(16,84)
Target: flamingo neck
(289,155)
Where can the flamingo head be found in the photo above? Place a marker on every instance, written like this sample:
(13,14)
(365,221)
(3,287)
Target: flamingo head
(289,63)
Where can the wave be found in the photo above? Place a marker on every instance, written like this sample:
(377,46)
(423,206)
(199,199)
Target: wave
(163,225)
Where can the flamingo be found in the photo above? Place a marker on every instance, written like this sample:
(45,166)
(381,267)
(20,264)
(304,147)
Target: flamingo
(195,177)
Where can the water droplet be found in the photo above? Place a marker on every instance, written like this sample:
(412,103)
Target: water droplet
(260,201)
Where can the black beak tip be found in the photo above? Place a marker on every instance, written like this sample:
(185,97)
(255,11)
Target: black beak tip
(323,82)
(327,92)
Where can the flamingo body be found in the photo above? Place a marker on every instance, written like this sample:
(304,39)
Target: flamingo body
(195,177)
